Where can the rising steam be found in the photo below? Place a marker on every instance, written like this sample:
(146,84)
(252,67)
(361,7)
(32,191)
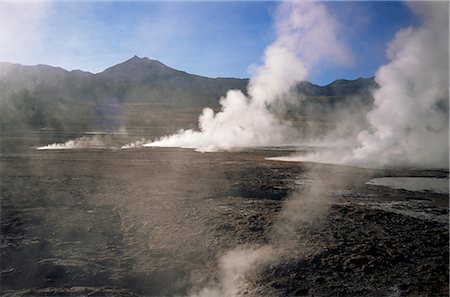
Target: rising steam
(409,121)
(234,267)
(306,33)
(134,144)
(303,208)
(84,142)
(410,118)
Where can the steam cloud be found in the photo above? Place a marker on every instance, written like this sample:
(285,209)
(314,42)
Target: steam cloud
(233,268)
(237,267)
(409,121)
(410,117)
(83,142)
(135,144)
(306,33)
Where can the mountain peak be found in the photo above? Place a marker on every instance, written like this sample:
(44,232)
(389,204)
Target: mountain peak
(145,60)
(137,59)
(138,69)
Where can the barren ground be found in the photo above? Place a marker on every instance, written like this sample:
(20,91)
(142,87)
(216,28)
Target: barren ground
(154,222)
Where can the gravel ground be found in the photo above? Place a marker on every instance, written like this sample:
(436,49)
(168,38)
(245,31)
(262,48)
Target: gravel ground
(156,222)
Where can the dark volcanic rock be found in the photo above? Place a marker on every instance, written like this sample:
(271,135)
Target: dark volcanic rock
(155,222)
(369,253)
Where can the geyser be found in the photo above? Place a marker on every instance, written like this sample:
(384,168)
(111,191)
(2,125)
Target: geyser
(306,33)
(410,118)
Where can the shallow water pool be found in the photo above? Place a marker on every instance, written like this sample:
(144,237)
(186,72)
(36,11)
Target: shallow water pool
(419,184)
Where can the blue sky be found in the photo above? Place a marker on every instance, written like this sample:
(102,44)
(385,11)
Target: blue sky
(216,39)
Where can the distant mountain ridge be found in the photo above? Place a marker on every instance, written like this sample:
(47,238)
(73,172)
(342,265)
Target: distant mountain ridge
(146,71)
(339,87)
(43,96)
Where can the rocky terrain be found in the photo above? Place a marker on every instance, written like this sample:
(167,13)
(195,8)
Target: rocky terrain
(155,222)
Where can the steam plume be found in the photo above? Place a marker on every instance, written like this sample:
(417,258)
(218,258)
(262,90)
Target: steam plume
(303,208)
(84,142)
(306,33)
(410,117)
(134,144)
(233,268)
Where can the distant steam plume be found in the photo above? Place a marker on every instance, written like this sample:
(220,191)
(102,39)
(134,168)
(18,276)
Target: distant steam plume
(84,142)
(306,33)
(410,118)
(135,144)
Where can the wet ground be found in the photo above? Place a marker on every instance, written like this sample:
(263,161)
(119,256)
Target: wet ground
(155,221)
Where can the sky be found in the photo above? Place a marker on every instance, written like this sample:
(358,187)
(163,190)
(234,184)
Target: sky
(214,39)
